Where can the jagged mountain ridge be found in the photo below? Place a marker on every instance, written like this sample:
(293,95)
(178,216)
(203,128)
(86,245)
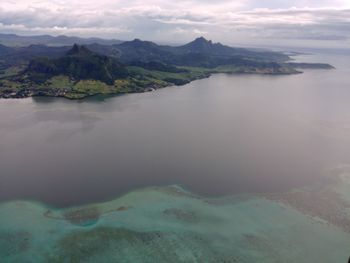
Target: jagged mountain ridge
(200,52)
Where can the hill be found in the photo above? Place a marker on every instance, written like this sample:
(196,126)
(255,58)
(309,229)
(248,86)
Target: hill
(78,63)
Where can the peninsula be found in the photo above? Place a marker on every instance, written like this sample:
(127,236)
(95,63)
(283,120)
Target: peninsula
(79,71)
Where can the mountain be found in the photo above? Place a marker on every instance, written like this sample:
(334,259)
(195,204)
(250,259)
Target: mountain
(135,50)
(207,47)
(5,50)
(14,56)
(204,46)
(20,41)
(200,53)
(145,51)
(105,50)
(78,63)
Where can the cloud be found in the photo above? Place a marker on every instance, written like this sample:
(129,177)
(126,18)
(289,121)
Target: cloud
(304,23)
(228,21)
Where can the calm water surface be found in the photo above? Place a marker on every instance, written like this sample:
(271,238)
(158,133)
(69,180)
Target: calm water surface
(217,136)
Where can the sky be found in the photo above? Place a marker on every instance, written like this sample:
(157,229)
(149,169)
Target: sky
(321,23)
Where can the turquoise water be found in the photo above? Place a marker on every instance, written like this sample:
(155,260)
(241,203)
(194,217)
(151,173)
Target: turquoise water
(168,224)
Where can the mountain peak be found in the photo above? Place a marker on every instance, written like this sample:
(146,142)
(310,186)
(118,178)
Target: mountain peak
(79,50)
(202,40)
(138,43)
(200,45)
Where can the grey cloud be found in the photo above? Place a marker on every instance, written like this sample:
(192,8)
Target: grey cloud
(161,20)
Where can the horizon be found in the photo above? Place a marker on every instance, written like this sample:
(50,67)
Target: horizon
(276,47)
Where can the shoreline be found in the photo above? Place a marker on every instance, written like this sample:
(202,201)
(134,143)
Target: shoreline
(23,94)
(141,81)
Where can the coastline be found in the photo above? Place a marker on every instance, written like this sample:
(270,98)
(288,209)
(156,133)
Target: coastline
(64,93)
(154,80)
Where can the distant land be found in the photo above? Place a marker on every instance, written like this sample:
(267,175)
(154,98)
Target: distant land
(62,40)
(55,67)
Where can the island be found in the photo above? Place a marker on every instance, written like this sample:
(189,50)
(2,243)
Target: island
(128,67)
